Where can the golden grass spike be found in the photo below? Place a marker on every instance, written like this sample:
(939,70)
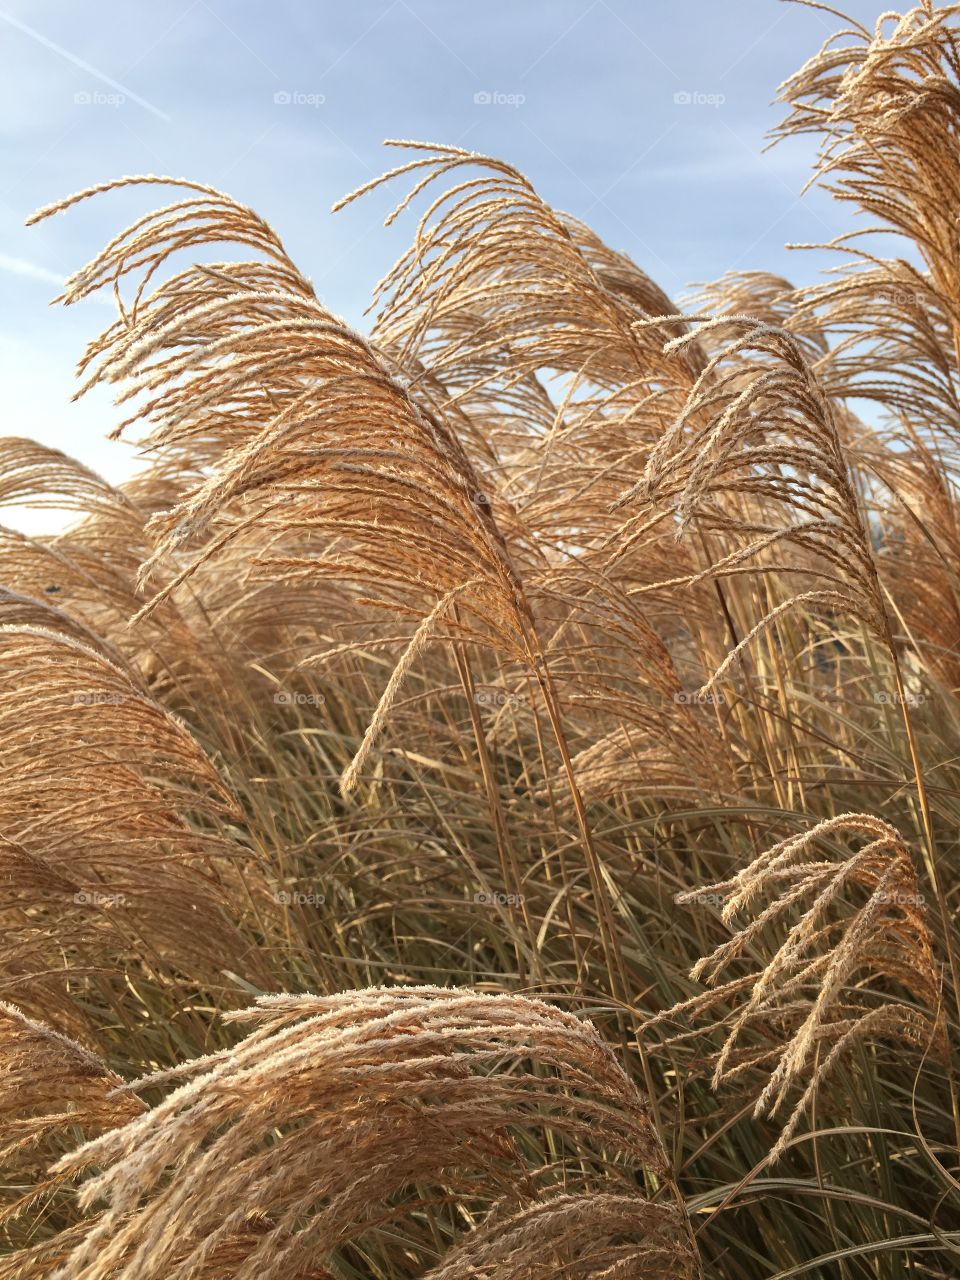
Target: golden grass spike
(853,934)
(84,579)
(207,340)
(885,107)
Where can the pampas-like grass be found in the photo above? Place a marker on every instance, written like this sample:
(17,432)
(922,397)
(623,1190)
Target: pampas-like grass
(390,676)
(89,572)
(107,802)
(884,106)
(52,1092)
(338,1116)
(48,1084)
(214,337)
(587,1235)
(499,293)
(860,933)
(247,358)
(758,424)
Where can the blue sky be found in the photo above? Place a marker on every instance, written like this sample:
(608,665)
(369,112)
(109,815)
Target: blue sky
(285,105)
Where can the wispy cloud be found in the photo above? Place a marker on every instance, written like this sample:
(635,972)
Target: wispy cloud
(22,267)
(34,271)
(84,66)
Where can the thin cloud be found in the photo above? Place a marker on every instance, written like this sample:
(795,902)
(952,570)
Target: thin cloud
(33,270)
(84,66)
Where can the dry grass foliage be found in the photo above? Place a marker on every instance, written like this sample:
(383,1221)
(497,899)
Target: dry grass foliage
(561,682)
(758,427)
(104,798)
(337,1116)
(52,1092)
